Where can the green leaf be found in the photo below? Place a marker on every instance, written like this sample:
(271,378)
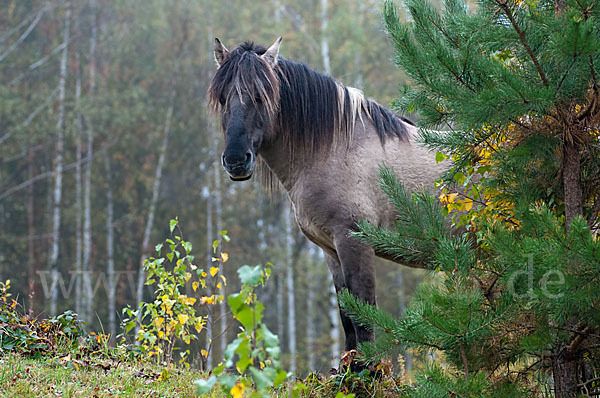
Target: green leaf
(204,386)
(270,339)
(227,381)
(230,350)
(235,302)
(158,247)
(282,375)
(261,379)
(172,225)
(440,157)
(245,316)
(224,235)
(250,275)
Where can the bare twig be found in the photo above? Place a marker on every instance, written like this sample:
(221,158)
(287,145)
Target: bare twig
(40,62)
(25,34)
(47,174)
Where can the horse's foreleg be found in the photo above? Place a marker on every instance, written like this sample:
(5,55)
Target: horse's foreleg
(338,281)
(359,275)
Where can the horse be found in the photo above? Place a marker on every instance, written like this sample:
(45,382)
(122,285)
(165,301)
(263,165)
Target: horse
(324,143)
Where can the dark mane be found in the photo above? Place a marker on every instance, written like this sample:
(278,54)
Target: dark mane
(312,110)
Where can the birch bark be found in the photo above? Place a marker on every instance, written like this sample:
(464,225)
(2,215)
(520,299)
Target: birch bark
(87,184)
(291,313)
(58,164)
(110,250)
(153,203)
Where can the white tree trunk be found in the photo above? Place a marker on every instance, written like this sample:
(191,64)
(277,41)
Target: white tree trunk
(153,202)
(334,318)
(324,43)
(87,186)
(290,289)
(219,221)
(78,190)
(280,295)
(209,253)
(58,163)
(110,251)
(310,319)
(401,311)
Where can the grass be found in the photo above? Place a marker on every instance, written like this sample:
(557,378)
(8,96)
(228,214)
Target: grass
(23,376)
(56,377)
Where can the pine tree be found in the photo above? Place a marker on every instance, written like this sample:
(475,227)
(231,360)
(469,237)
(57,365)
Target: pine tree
(515,297)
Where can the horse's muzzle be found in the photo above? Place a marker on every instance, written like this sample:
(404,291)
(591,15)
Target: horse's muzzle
(239,169)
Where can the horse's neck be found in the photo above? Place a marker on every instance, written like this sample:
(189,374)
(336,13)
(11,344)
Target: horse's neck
(278,159)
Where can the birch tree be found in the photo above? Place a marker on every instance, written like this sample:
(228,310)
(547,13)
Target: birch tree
(153,203)
(110,250)
(87,186)
(58,162)
(291,312)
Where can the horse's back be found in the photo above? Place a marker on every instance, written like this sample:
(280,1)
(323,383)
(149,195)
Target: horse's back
(336,192)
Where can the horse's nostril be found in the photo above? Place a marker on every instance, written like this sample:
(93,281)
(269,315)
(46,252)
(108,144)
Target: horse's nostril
(249,157)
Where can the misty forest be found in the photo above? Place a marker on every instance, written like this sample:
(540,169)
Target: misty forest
(118,102)
(120,228)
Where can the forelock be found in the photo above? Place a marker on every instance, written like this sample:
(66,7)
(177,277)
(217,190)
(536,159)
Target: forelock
(244,71)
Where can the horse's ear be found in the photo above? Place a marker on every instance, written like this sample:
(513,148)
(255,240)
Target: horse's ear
(221,52)
(272,53)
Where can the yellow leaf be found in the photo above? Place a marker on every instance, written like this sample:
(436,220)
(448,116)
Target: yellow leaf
(204,274)
(224,280)
(195,285)
(219,285)
(190,301)
(213,271)
(468,205)
(183,318)
(159,321)
(204,353)
(225,257)
(161,334)
(238,390)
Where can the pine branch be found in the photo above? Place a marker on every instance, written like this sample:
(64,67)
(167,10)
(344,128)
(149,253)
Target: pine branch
(523,40)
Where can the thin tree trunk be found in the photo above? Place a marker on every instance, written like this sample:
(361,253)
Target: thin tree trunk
(219,221)
(153,203)
(110,251)
(58,163)
(78,190)
(333,307)
(87,187)
(401,311)
(310,318)
(31,260)
(280,296)
(335,324)
(291,313)
(324,43)
(209,254)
